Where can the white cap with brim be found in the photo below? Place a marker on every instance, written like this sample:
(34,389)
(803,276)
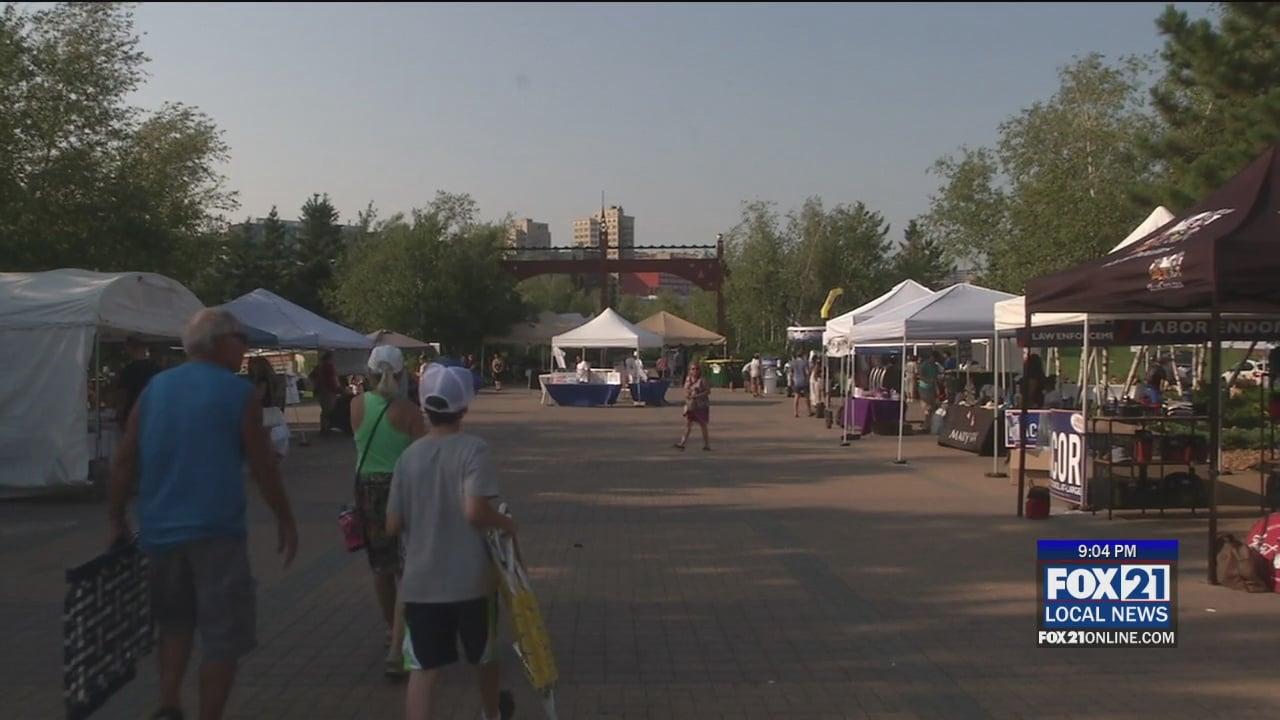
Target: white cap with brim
(388,354)
(447,389)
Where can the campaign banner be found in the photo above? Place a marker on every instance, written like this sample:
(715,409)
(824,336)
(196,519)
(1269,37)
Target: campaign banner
(1036,419)
(1067,466)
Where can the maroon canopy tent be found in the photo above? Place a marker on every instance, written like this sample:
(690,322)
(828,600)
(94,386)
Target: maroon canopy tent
(1220,256)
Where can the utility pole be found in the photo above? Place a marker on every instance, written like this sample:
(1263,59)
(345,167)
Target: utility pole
(604,259)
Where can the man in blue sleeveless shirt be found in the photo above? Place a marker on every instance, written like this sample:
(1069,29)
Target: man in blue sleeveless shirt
(187,442)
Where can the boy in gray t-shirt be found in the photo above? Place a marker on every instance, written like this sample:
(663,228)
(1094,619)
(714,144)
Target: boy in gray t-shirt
(439,505)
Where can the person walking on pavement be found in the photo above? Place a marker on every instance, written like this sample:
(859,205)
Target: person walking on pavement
(385,423)
(192,432)
(440,505)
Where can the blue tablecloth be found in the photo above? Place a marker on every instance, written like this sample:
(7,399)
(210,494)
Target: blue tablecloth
(653,392)
(583,394)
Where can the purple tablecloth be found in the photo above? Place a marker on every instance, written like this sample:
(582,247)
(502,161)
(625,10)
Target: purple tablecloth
(861,413)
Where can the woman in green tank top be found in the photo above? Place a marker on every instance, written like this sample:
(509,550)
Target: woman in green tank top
(384,424)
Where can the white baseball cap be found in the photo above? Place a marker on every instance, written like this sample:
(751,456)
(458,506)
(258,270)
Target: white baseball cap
(388,354)
(447,389)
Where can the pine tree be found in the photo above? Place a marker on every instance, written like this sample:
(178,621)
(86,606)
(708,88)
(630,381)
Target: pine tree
(921,258)
(1219,99)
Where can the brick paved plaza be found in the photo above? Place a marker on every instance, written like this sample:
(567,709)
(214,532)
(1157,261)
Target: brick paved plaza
(779,576)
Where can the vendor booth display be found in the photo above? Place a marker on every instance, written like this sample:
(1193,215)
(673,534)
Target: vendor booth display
(675,330)
(600,387)
(50,327)
(294,326)
(959,312)
(835,334)
(1216,260)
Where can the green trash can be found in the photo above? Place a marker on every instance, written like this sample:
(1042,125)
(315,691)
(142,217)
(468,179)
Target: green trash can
(720,372)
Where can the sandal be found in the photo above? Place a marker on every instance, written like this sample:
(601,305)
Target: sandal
(678,446)
(394,668)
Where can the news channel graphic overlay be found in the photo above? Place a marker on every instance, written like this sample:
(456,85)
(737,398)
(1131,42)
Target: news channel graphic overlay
(1107,593)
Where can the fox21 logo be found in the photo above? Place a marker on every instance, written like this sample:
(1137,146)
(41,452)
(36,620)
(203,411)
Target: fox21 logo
(1126,583)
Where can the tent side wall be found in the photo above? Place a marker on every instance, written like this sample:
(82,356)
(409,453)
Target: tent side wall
(44,431)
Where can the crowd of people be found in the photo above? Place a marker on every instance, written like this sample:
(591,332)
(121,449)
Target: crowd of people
(423,492)
(424,488)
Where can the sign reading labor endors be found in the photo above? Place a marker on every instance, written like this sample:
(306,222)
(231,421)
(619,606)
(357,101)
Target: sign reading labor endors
(1067,448)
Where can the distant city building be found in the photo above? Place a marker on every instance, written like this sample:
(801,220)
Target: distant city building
(620,227)
(525,234)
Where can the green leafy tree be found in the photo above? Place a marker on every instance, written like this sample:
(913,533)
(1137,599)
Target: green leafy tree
(969,215)
(755,292)
(1058,188)
(432,276)
(844,247)
(556,293)
(1218,100)
(86,179)
(319,251)
(921,258)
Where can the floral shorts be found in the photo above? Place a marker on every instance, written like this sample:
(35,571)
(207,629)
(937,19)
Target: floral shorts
(372,491)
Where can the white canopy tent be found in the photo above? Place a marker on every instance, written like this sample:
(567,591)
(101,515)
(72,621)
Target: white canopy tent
(300,329)
(295,326)
(607,330)
(836,335)
(1010,314)
(959,312)
(50,326)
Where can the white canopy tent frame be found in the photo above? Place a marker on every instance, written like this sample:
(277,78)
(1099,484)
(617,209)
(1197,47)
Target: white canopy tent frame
(606,330)
(52,326)
(954,313)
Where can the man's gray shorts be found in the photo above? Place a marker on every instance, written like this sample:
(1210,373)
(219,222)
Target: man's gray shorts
(207,585)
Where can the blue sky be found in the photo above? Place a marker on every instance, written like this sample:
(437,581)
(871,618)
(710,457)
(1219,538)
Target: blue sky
(678,112)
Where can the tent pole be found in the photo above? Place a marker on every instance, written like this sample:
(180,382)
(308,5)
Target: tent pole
(1022,417)
(902,410)
(996,362)
(1215,431)
(97,396)
(1086,356)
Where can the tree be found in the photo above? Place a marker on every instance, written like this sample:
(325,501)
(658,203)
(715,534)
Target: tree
(319,251)
(555,293)
(755,292)
(86,179)
(846,247)
(1057,189)
(1070,164)
(921,258)
(430,276)
(1218,100)
(970,212)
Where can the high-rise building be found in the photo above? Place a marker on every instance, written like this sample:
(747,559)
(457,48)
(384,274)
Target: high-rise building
(620,227)
(525,234)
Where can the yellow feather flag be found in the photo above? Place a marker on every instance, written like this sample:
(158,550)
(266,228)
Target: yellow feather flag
(831,300)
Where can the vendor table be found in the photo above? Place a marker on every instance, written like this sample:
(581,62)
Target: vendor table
(863,413)
(583,394)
